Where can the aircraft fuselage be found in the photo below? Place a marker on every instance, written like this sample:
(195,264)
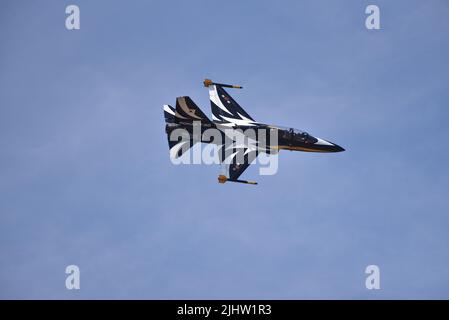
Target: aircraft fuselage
(285,138)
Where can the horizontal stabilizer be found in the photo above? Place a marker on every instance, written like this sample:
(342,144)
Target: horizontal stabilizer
(169,114)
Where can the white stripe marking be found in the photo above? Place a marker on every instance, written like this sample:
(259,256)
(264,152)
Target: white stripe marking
(168,109)
(323,142)
(213,95)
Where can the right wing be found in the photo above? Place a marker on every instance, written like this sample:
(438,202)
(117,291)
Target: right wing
(236,164)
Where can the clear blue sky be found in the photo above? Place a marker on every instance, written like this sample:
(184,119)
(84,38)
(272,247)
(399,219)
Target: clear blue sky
(85,176)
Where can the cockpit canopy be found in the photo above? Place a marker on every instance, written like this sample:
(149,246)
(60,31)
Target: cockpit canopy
(296,135)
(302,136)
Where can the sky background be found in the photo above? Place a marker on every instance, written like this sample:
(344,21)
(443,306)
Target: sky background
(85,175)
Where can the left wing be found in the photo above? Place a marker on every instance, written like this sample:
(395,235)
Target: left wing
(225,110)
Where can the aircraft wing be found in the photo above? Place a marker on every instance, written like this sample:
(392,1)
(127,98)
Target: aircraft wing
(236,164)
(225,110)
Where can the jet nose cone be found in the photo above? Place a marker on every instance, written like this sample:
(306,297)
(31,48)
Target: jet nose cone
(337,148)
(329,146)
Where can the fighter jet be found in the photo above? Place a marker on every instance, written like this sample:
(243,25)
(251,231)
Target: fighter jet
(230,119)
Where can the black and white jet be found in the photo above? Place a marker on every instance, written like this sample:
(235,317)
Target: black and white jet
(229,117)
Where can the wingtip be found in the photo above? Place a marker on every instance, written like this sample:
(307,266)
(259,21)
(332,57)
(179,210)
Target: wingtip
(207,82)
(222,178)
